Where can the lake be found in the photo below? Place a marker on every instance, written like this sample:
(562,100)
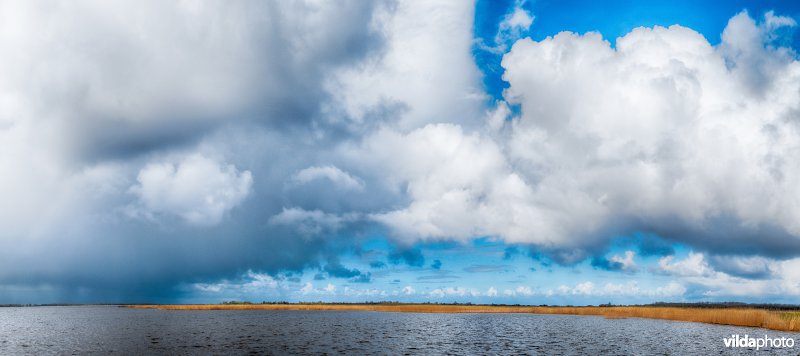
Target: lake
(110,329)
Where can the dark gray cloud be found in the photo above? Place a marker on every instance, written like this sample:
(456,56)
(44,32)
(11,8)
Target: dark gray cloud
(729,235)
(236,85)
(336,270)
(751,267)
(410,256)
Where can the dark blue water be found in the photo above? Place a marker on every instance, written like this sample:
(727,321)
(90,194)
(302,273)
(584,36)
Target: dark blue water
(108,329)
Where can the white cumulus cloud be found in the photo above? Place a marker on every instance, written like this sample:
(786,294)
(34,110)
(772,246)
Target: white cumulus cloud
(331,173)
(662,133)
(662,129)
(198,189)
(626,261)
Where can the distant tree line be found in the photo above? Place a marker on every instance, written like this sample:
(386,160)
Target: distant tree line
(737,305)
(656,304)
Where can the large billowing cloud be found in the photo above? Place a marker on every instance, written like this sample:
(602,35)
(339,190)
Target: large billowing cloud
(662,133)
(119,171)
(152,144)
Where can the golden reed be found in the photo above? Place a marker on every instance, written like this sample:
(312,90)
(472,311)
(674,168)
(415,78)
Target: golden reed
(762,318)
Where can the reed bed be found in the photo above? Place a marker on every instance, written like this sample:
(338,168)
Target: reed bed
(761,318)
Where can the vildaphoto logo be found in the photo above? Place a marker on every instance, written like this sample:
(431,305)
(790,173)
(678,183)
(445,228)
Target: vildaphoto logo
(758,342)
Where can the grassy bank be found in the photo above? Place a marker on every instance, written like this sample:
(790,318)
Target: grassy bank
(762,318)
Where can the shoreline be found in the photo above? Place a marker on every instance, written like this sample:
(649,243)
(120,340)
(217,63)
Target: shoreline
(752,317)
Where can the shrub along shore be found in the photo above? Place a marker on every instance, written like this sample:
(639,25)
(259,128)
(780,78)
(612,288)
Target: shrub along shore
(774,319)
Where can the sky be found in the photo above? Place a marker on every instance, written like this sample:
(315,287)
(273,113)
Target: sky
(518,152)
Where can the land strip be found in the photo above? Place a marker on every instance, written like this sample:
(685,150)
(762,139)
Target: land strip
(754,317)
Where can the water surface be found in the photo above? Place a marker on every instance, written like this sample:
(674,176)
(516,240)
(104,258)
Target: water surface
(109,329)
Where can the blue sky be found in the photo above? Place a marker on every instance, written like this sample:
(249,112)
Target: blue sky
(419,152)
